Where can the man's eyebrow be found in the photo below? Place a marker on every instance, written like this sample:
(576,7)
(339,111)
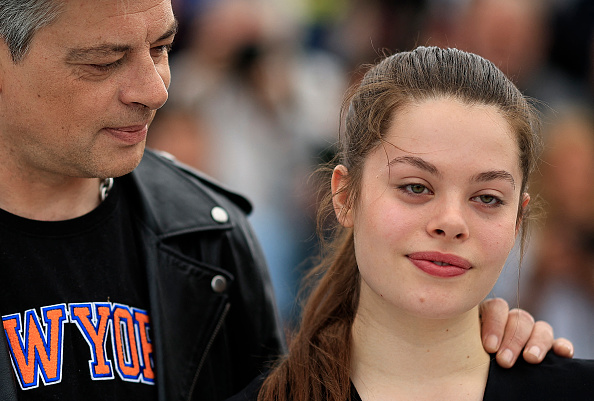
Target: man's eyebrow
(416,162)
(84,53)
(171,31)
(495,175)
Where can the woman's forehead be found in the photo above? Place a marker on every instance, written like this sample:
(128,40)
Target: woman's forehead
(453,131)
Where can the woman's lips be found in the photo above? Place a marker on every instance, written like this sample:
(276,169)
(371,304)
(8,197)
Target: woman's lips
(131,135)
(440,264)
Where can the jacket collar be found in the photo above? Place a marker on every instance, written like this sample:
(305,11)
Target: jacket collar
(179,200)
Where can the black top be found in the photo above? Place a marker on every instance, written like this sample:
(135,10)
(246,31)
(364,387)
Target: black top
(555,379)
(213,322)
(74,305)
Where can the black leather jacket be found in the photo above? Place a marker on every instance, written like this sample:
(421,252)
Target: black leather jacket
(213,319)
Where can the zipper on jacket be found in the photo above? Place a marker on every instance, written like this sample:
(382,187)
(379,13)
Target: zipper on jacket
(207,349)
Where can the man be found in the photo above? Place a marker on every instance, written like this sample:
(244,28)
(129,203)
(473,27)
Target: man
(149,286)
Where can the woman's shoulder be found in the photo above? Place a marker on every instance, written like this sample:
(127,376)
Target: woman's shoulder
(555,378)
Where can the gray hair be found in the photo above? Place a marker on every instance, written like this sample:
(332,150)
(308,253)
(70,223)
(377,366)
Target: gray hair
(21,19)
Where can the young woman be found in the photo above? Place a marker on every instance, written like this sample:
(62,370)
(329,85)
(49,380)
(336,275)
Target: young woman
(430,193)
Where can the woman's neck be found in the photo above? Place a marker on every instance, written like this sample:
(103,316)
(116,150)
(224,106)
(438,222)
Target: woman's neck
(398,355)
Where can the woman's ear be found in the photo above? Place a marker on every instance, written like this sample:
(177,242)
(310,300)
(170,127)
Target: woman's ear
(340,197)
(525,201)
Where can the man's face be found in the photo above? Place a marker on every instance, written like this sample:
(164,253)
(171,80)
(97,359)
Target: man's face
(80,102)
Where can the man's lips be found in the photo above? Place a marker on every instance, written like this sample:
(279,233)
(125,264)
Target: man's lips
(131,135)
(440,264)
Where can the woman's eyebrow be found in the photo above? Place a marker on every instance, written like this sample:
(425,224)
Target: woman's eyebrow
(416,162)
(432,169)
(495,175)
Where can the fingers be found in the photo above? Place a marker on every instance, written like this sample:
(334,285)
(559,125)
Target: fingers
(517,332)
(509,332)
(540,342)
(563,347)
(494,313)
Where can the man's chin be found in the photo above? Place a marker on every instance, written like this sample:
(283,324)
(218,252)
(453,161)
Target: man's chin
(121,164)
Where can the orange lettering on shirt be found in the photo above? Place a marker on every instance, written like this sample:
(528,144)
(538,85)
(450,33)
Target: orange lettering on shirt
(94,328)
(37,353)
(124,341)
(146,346)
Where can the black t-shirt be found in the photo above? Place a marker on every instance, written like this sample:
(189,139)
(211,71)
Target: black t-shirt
(554,379)
(74,305)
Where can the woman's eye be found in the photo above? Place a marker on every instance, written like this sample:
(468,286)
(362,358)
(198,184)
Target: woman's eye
(416,189)
(489,200)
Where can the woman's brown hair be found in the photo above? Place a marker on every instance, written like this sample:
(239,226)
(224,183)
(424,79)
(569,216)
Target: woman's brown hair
(318,364)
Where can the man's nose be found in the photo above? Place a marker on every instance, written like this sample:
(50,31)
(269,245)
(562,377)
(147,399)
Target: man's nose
(146,84)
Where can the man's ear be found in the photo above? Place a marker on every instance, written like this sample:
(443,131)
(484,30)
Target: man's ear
(525,201)
(340,197)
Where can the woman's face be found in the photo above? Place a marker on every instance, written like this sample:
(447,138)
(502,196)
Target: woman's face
(436,216)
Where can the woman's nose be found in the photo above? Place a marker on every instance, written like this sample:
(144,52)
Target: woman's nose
(449,222)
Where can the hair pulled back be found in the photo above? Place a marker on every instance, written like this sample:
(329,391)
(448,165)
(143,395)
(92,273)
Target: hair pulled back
(318,364)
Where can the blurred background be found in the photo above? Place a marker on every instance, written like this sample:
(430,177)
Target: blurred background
(255,96)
